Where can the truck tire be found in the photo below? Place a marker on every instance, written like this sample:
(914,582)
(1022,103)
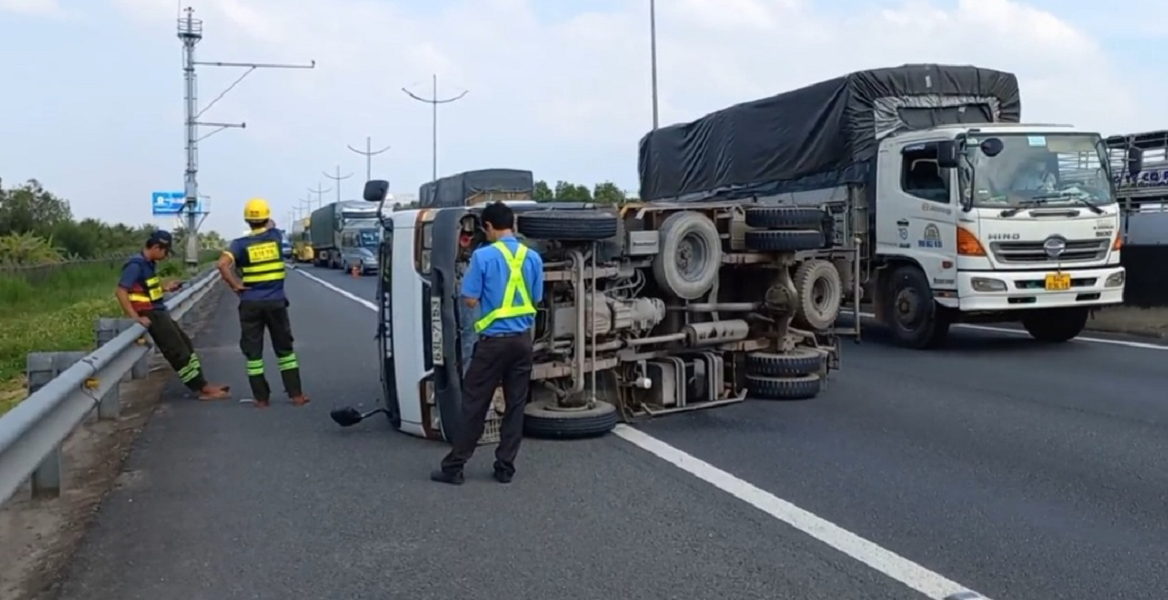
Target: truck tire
(784,240)
(783,388)
(1055,326)
(785,217)
(820,294)
(796,363)
(911,313)
(539,421)
(690,255)
(569,225)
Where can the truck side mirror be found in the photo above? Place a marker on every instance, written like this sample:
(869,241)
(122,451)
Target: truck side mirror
(376,190)
(947,154)
(1135,162)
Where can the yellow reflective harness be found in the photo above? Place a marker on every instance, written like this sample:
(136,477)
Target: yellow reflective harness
(152,293)
(264,262)
(515,285)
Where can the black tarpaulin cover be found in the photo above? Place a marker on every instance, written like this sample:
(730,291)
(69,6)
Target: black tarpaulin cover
(454,190)
(819,136)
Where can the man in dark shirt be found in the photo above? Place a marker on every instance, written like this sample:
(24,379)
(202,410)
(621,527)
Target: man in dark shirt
(505,282)
(140,292)
(262,303)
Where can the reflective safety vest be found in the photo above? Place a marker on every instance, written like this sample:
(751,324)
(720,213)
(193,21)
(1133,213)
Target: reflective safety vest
(515,285)
(145,293)
(265,262)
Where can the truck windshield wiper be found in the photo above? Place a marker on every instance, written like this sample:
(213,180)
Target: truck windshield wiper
(1071,196)
(1023,205)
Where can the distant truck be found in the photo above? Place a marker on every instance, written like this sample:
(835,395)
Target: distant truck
(301,243)
(340,225)
(1143,195)
(958,211)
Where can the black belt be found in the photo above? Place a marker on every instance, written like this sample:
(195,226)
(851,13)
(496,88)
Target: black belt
(506,335)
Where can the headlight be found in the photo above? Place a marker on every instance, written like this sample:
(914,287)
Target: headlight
(985,284)
(1116,279)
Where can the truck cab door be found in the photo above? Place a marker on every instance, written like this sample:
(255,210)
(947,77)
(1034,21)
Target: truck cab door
(926,213)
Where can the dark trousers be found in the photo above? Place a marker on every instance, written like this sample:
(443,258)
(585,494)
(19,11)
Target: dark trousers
(496,360)
(255,316)
(176,348)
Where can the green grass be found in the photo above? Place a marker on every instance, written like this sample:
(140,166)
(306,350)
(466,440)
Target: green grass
(55,312)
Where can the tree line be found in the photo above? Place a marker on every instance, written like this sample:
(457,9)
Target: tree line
(37,227)
(602,193)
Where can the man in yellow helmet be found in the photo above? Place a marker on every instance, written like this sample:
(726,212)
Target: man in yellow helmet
(262,302)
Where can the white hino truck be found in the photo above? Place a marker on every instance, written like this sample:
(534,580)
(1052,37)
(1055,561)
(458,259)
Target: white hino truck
(958,211)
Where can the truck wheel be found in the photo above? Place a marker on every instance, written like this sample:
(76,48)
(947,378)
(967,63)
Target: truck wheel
(571,225)
(792,240)
(915,318)
(542,421)
(687,263)
(796,363)
(785,217)
(783,388)
(1056,326)
(820,294)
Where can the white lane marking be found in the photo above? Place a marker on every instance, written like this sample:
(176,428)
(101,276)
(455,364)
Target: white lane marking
(350,296)
(933,585)
(1089,340)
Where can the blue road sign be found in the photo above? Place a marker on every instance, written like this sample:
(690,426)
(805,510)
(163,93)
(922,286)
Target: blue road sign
(167,203)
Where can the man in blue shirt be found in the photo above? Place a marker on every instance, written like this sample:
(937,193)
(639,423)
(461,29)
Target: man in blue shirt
(505,282)
(140,292)
(262,303)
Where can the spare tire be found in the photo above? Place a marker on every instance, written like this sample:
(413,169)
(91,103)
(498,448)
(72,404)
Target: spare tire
(690,255)
(820,294)
(785,217)
(784,240)
(540,420)
(568,225)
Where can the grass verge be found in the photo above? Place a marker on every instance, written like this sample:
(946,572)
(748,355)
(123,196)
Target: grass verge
(56,313)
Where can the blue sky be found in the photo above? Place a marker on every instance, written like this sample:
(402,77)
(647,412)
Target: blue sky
(93,89)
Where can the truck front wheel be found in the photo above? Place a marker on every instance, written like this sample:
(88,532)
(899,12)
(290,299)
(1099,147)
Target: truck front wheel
(1056,325)
(911,313)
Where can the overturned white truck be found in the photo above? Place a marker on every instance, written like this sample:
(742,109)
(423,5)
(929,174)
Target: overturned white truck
(958,212)
(648,309)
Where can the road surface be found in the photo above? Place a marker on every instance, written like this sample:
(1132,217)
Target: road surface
(1020,471)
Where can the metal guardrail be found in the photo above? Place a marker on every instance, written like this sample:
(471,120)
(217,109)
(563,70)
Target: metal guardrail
(31,434)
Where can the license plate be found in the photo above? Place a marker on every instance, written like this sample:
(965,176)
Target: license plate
(1058,282)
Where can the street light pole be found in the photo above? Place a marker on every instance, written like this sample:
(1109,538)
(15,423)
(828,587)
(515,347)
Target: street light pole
(653,55)
(434,102)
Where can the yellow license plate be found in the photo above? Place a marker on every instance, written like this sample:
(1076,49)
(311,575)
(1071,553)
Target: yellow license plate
(1058,282)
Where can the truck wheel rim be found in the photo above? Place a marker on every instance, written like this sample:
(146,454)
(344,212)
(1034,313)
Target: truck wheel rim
(908,309)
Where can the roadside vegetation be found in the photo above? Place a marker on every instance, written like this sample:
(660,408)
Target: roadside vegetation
(57,276)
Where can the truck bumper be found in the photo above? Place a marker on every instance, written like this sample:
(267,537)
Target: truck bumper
(1025,290)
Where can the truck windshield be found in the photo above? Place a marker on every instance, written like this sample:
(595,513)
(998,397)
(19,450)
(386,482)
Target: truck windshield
(1046,169)
(369,238)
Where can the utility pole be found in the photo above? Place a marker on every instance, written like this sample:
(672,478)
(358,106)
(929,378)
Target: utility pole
(337,178)
(320,192)
(434,102)
(368,153)
(190,32)
(653,55)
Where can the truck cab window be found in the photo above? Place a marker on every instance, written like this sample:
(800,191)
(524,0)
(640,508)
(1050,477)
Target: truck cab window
(921,177)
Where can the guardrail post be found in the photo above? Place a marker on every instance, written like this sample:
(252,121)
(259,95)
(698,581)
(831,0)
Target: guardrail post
(41,368)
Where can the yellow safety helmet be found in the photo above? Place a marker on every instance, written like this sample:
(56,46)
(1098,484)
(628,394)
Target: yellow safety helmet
(257,209)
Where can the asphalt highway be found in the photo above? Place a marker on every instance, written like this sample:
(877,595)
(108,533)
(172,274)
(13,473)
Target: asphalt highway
(1021,471)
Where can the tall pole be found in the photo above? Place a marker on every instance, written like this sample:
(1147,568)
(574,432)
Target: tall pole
(319,191)
(434,102)
(653,55)
(337,178)
(368,154)
(190,32)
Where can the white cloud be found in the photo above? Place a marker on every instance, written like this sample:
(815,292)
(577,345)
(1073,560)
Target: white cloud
(569,99)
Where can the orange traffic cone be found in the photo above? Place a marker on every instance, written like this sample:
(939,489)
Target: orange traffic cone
(355,271)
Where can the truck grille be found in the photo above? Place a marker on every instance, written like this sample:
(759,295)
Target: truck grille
(1033,252)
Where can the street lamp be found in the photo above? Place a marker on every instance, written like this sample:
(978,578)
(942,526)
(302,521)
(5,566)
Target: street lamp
(653,55)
